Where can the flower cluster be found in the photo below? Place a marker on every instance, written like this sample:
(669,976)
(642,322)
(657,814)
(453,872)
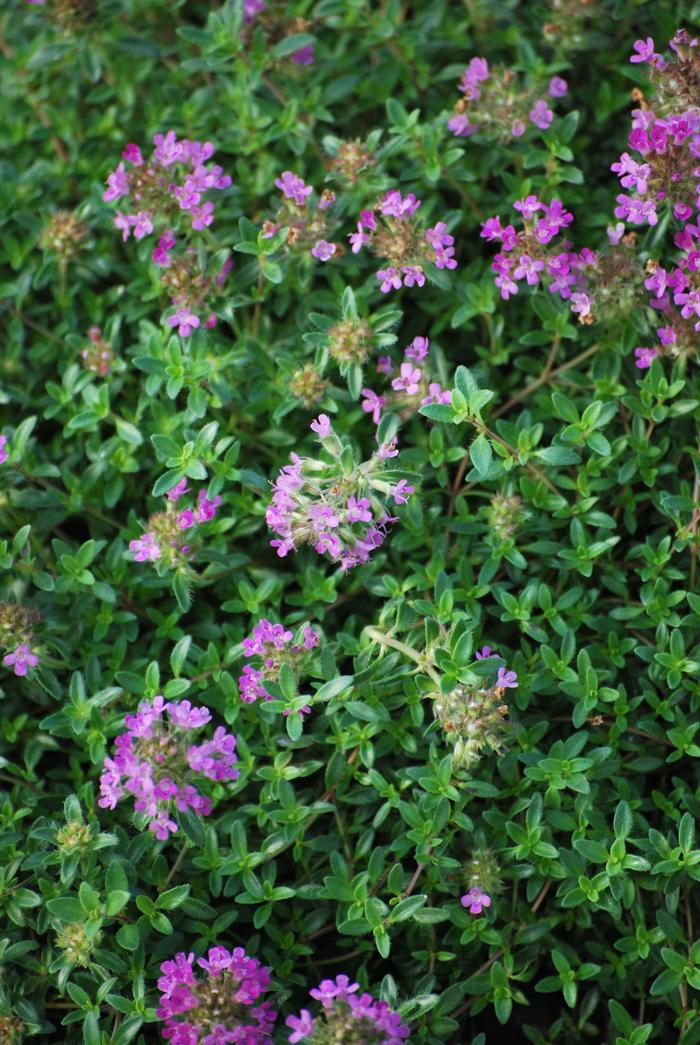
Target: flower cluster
(493,102)
(351,158)
(155,761)
(16,632)
(595,284)
(473,716)
(336,504)
(173,182)
(223,1006)
(276,645)
(666,137)
(167,536)
(675,295)
(411,388)
(97,356)
(307,227)
(391,231)
(64,234)
(347,1016)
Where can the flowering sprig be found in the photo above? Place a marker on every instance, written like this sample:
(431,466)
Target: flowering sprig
(156,761)
(495,104)
(16,633)
(347,1016)
(473,715)
(166,539)
(391,231)
(222,1006)
(595,284)
(335,503)
(411,387)
(304,225)
(159,193)
(276,646)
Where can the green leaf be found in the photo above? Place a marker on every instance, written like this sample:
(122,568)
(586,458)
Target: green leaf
(481,454)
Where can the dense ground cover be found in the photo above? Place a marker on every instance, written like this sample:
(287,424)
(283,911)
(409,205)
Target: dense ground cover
(349,610)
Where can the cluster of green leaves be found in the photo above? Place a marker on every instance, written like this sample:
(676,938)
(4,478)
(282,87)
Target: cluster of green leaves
(345,845)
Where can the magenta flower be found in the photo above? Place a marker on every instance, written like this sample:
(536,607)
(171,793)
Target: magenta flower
(184,320)
(384,365)
(276,646)
(394,205)
(178,491)
(541,115)
(413,275)
(476,900)
(359,509)
(645,357)
(206,507)
(347,1015)
(323,250)
(146,548)
(223,1006)
(21,660)
(117,184)
(3,452)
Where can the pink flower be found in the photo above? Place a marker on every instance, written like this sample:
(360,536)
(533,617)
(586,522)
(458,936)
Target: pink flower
(476,900)
(384,365)
(418,349)
(358,510)
(184,320)
(518,128)
(22,659)
(389,278)
(645,51)
(146,548)
(117,184)
(401,492)
(413,274)
(206,507)
(408,380)
(323,250)
(645,357)
(177,491)
(3,452)
(132,153)
(373,404)
(293,188)
(321,425)
(302,1026)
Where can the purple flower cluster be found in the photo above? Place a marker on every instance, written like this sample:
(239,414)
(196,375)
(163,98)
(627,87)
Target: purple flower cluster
(155,762)
(174,180)
(276,646)
(590,281)
(342,511)
(160,191)
(493,103)
(391,231)
(168,533)
(223,1006)
(411,387)
(347,1016)
(666,137)
(675,295)
(308,227)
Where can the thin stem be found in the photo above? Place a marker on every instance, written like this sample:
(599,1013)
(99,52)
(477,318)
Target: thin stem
(418,658)
(176,866)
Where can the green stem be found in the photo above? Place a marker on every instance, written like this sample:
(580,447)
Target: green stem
(418,658)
